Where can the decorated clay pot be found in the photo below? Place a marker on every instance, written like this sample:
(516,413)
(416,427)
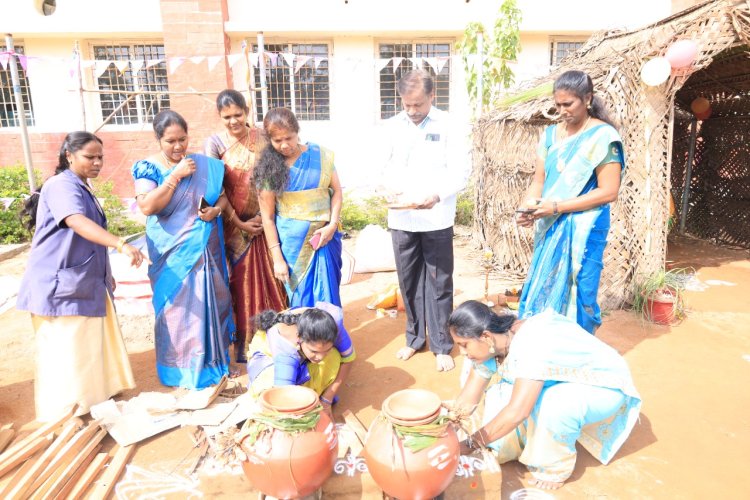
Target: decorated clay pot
(411,450)
(660,307)
(291,447)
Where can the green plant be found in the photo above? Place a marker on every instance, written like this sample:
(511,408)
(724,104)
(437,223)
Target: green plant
(499,49)
(14,183)
(666,285)
(118,221)
(465,207)
(358,213)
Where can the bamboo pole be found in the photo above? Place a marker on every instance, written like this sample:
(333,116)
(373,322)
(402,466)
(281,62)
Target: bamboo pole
(106,484)
(42,431)
(88,477)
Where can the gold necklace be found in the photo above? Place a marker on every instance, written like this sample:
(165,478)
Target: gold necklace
(561,164)
(167,162)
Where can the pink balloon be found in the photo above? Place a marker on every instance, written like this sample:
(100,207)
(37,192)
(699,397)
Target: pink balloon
(681,53)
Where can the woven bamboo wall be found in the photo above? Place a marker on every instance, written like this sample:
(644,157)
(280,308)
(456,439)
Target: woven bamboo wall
(505,142)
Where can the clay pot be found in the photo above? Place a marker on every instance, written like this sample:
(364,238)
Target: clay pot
(660,307)
(398,471)
(291,465)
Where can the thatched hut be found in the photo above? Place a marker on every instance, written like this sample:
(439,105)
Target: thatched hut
(655,124)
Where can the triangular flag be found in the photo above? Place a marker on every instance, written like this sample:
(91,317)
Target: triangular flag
(153,62)
(441,62)
(319,60)
(213,61)
(381,63)
(101,67)
(87,63)
(175,63)
(197,59)
(254,59)
(136,65)
(396,63)
(233,58)
(4,57)
(288,58)
(7,202)
(272,58)
(431,62)
(300,61)
(23,60)
(122,66)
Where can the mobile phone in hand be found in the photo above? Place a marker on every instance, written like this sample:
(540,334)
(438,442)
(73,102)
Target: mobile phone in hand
(315,241)
(525,211)
(203,203)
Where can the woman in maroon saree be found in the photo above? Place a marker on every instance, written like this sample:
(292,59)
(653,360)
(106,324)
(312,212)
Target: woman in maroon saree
(252,283)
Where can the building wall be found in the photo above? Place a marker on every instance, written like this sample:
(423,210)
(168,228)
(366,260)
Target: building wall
(218,27)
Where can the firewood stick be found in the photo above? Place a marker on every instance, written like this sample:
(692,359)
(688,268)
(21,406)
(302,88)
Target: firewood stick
(24,453)
(88,477)
(14,480)
(6,436)
(80,470)
(66,454)
(107,482)
(24,485)
(40,432)
(71,462)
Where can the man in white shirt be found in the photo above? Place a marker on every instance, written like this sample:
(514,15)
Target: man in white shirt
(428,164)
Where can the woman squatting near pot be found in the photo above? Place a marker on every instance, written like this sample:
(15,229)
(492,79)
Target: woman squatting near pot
(302,346)
(558,385)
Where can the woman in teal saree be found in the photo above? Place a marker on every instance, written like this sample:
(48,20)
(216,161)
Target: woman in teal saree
(579,166)
(300,204)
(188,274)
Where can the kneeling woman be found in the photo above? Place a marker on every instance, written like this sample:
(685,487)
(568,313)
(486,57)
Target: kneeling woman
(302,346)
(557,384)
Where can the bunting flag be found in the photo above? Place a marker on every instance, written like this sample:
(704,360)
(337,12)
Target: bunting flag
(288,58)
(7,202)
(232,59)
(300,61)
(380,64)
(273,59)
(122,66)
(174,63)
(100,67)
(135,66)
(396,63)
(440,64)
(213,61)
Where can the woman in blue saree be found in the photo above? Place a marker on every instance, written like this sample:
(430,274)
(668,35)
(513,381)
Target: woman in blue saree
(300,203)
(578,172)
(554,385)
(188,273)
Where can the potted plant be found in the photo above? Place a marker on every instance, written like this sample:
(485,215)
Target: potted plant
(659,297)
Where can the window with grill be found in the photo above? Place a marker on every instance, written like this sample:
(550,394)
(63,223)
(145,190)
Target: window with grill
(305,91)
(560,49)
(8,112)
(142,82)
(390,102)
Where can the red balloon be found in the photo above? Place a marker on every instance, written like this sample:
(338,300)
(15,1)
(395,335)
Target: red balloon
(700,105)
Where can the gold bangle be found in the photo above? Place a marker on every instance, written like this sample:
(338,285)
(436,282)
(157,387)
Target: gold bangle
(120,243)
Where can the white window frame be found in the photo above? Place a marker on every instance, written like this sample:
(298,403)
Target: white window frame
(414,42)
(554,41)
(292,83)
(141,117)
(28,103)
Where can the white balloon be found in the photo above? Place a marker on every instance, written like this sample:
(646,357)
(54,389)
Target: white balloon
(656,71)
